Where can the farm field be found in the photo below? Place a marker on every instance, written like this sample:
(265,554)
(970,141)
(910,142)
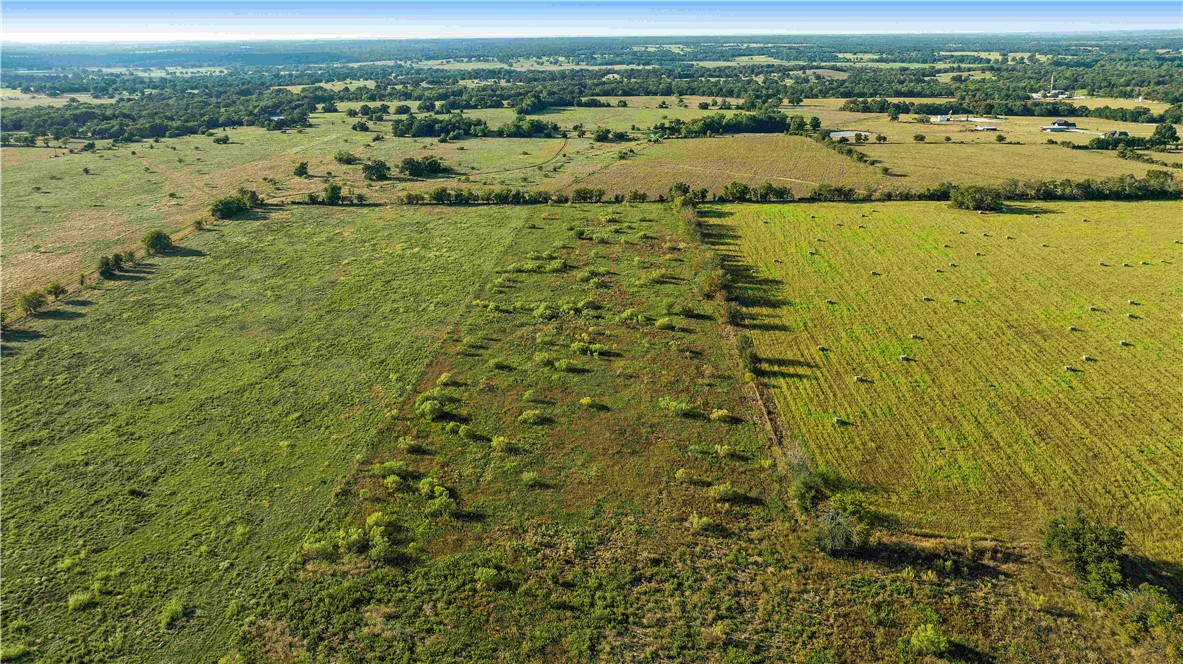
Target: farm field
(981,431)
(1025,129)
(917,166)
(791,161)
(10,98)
(545,491)
(172,435)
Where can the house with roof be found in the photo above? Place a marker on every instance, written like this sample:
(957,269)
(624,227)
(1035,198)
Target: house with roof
(1060,125)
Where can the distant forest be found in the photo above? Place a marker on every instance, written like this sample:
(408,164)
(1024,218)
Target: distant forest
(982,74)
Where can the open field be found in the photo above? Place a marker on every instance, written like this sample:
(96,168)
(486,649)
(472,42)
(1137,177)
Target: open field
(1025,129)
(10,98)
(791,161)
(982,431)
(173,434)
(917,166)
(581,536)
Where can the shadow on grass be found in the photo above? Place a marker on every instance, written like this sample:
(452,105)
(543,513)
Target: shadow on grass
(1164,574)
(59,314)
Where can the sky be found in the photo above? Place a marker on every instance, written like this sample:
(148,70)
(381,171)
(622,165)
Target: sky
(56,21)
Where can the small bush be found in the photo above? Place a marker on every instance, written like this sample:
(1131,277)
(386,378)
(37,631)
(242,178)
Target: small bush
(725,493)
(531,417)
(30,302)
(55,290)
(531,480)
(722,415)
(701,524)
(156,242)
(430,409)
(503,445)
(929,639)
(675,407)
(79,601)
(172,612)
(665,324)
(1095,552)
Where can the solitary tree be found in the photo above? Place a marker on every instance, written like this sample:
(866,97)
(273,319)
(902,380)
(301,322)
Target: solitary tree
(30,302)
(1000,138)
(376,170)
(332,195)
(301,169)
(156,242)
(919,138)
(55,290)
(1165,134)
(222,140)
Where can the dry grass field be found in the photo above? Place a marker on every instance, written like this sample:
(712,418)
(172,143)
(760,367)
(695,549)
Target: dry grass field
(962,327)
(10,98)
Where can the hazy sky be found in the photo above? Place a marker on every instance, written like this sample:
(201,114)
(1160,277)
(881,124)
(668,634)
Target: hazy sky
(50,21)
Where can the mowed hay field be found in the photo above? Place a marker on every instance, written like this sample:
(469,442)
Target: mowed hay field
(918,166)
(982,430)
(170,436)
(790,161)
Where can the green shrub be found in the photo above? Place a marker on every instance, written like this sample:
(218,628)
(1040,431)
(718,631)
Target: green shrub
(747,353)
(531,480)
(701,524)
(105,267)
(675,407)
(1144,611)
(1095,551)
(30,302)
(318,550)
(352,539)
(929,639)
(156,242)
(172,612)
(80,600)
(665,324)
(722,415)
(430,409)
(725,493)
(55,290)
(531,417)
(503,445)
(844,526)
(976,197)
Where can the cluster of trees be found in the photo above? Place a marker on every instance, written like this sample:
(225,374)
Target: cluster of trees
(420,167)
(229,207)
(764,121)
(163,115)
(334,195)
(1164,135)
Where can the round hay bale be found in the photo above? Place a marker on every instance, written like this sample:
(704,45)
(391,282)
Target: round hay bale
(927,298)
(978,253)
(822,348)
(905,358)
(915,336)
(1094,309)
(939,270)
(1123,342)
(1072,328)
(1069,368)
(1089,358)
(839,421)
